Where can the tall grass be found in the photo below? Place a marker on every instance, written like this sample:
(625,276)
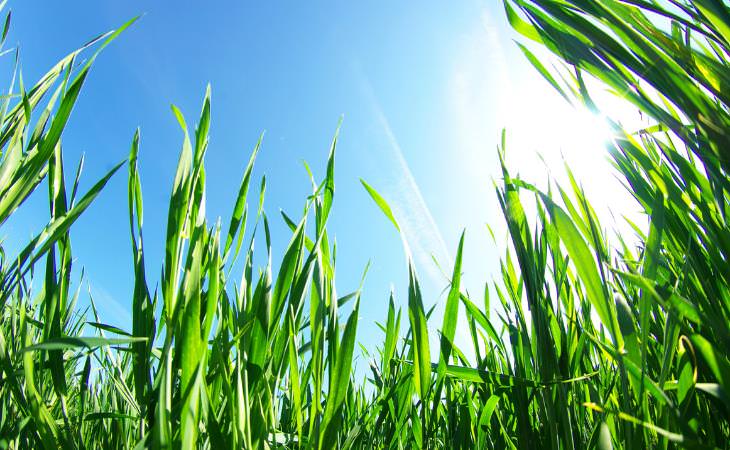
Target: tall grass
(584,341)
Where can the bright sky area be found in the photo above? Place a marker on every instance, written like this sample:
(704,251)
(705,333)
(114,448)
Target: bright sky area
(424,87)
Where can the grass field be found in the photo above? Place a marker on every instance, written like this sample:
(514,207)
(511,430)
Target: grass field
(587,340)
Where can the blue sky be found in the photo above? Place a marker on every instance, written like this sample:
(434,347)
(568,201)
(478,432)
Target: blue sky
(424,87)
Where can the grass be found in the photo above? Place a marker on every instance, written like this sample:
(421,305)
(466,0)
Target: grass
(585,340)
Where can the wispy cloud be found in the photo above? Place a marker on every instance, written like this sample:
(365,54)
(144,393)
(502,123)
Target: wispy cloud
(479,86)
(417,224)
(480,91)
(108,306)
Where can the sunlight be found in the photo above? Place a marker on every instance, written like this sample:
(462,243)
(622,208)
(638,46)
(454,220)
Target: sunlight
(544,133)
(550,134)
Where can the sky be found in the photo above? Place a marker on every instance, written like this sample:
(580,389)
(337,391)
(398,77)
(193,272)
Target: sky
(424,90)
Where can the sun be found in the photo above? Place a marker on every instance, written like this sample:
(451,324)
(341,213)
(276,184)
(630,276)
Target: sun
(547,136)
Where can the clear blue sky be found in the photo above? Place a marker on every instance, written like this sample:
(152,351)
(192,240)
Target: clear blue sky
(424,87)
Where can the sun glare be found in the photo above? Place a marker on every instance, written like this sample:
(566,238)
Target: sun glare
(546,134)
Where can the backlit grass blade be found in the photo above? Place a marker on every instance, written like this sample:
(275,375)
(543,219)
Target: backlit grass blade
(143,320)
(331,421)
(63,343)
(240,206)
(52,232)
(586,268)
(451,310)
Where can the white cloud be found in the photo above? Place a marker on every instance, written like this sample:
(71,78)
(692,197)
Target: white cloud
(420,231)
(109,307)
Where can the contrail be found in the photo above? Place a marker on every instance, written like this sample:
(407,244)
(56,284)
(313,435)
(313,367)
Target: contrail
(414,217)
